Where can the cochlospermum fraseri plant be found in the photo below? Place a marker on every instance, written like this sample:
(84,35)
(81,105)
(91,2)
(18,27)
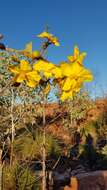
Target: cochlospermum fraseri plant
(37,72)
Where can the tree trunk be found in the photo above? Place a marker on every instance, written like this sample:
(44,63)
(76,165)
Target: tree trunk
(44,163)
(12,128)
(1,167)
(44,151)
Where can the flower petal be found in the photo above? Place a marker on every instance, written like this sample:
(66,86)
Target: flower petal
(33,75)
(14,69)
(48,75)
(43,66)
(56,71)
(66,95)
(69,84)
(86,75)
(31,83)
(76,52)
(20,77)
(25,66)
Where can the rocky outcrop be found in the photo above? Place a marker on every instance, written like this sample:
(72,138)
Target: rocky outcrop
(88,181)
(61,178)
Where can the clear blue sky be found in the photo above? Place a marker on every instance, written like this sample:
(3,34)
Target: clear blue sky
(81,22)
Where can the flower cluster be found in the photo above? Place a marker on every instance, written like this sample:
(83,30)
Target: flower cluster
(52,39)
(69,76)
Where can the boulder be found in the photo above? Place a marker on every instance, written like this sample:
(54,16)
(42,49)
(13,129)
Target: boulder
(96,180)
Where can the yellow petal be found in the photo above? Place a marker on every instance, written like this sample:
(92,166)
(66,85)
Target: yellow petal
(71,58)
(43,66)
(77,89)
(57,43)
(28,47)
(82,56)
(57,73)
(27,51)
(77,56)
(31,83)
(86,75)
(70,70)
(65,68)
(33,75)
(66,95)
(76,68)
(48,75)
(25,66)
(14,69)
(43,35)
(20,77)
(54,40)
(76,52)
(69,84)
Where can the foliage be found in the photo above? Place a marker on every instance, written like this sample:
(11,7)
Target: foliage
(77,112)
(18,177)
(31,147)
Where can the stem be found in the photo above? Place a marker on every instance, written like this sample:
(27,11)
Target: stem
(12,127)
(43,49)
(44,149)
(1,176)
(1,168)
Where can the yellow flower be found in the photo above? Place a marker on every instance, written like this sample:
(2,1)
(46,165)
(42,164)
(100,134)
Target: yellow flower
(75,70)
(23,72)
(52,39)
(44,67)
(73,77)
(49,70)
(79,57)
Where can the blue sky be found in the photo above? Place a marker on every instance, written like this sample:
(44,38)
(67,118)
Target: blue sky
(74,22)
